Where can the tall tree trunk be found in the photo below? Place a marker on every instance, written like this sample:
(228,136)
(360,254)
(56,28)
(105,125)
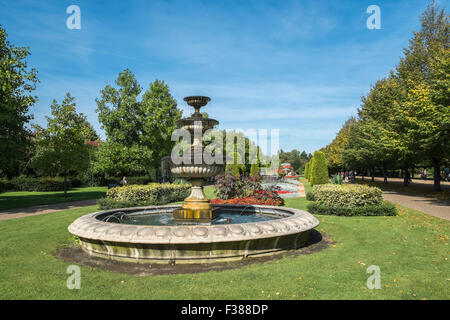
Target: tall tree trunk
(65,184)
(405,176)
(437,174)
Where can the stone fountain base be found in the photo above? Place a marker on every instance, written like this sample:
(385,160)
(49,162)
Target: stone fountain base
(196,215)
(196,207)
(193,243)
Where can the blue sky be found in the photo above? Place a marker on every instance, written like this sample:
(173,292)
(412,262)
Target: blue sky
(297,66)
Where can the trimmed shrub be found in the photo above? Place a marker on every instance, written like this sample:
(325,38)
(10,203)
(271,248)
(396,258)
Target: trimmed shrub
(23,183)
(42,184)
(309,170)
(337,179)
(346,195)
(139,195)
(309,196)
(319,169)
(383,209)
(106,204)
(349,200)
(306,172)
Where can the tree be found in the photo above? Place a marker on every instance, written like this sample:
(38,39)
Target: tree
(306,171)
(91,133)
(319,169)
(295,158)
(309,169)
(333,151)
(378,138)
(61,148)
(424,73)
(134,126)
(254,170)
(113,159)
(16,84)
(159,115)
(405,118)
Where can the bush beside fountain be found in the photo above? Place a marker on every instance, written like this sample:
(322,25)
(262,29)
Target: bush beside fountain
(143,195)
(349,200)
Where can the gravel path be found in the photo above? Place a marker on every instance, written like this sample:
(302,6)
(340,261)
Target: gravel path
(431,206)
(42,209)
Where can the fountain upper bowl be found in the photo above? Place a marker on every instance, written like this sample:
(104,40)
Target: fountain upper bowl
(196,170)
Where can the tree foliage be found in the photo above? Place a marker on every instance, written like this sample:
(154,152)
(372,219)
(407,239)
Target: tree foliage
(405,118)
(333,151)
(17,82)
(306,171)
(61,148)
(296,158)
(138,132)
(319,169)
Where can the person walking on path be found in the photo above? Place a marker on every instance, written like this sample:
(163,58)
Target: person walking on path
(124,181)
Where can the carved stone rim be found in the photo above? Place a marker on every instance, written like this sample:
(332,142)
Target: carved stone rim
(89,227)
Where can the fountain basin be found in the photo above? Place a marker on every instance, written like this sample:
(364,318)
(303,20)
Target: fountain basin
(285,229)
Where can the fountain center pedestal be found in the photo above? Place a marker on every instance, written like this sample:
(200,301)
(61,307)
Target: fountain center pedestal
(196,207)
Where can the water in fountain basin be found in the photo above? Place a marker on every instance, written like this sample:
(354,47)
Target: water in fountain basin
(166,219)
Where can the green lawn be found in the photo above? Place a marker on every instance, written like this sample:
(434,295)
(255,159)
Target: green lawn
(22,199)
(411,249)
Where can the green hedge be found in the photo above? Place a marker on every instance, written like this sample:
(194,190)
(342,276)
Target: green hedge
(382,209)
(42,184)
(309,196)
(106,203)
(346,195)
(306,172)
(319,169)
(138,180)
(139,195)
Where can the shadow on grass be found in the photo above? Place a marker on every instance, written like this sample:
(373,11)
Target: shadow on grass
(416,188)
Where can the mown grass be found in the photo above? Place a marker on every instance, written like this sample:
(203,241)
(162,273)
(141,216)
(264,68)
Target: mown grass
(411,250)
(23,199)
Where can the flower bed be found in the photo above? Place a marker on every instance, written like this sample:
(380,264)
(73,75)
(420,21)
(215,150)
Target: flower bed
(261,197)
(283,191)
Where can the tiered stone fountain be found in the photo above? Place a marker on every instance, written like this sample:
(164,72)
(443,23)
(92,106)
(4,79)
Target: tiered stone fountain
(195,232)
(196,207)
